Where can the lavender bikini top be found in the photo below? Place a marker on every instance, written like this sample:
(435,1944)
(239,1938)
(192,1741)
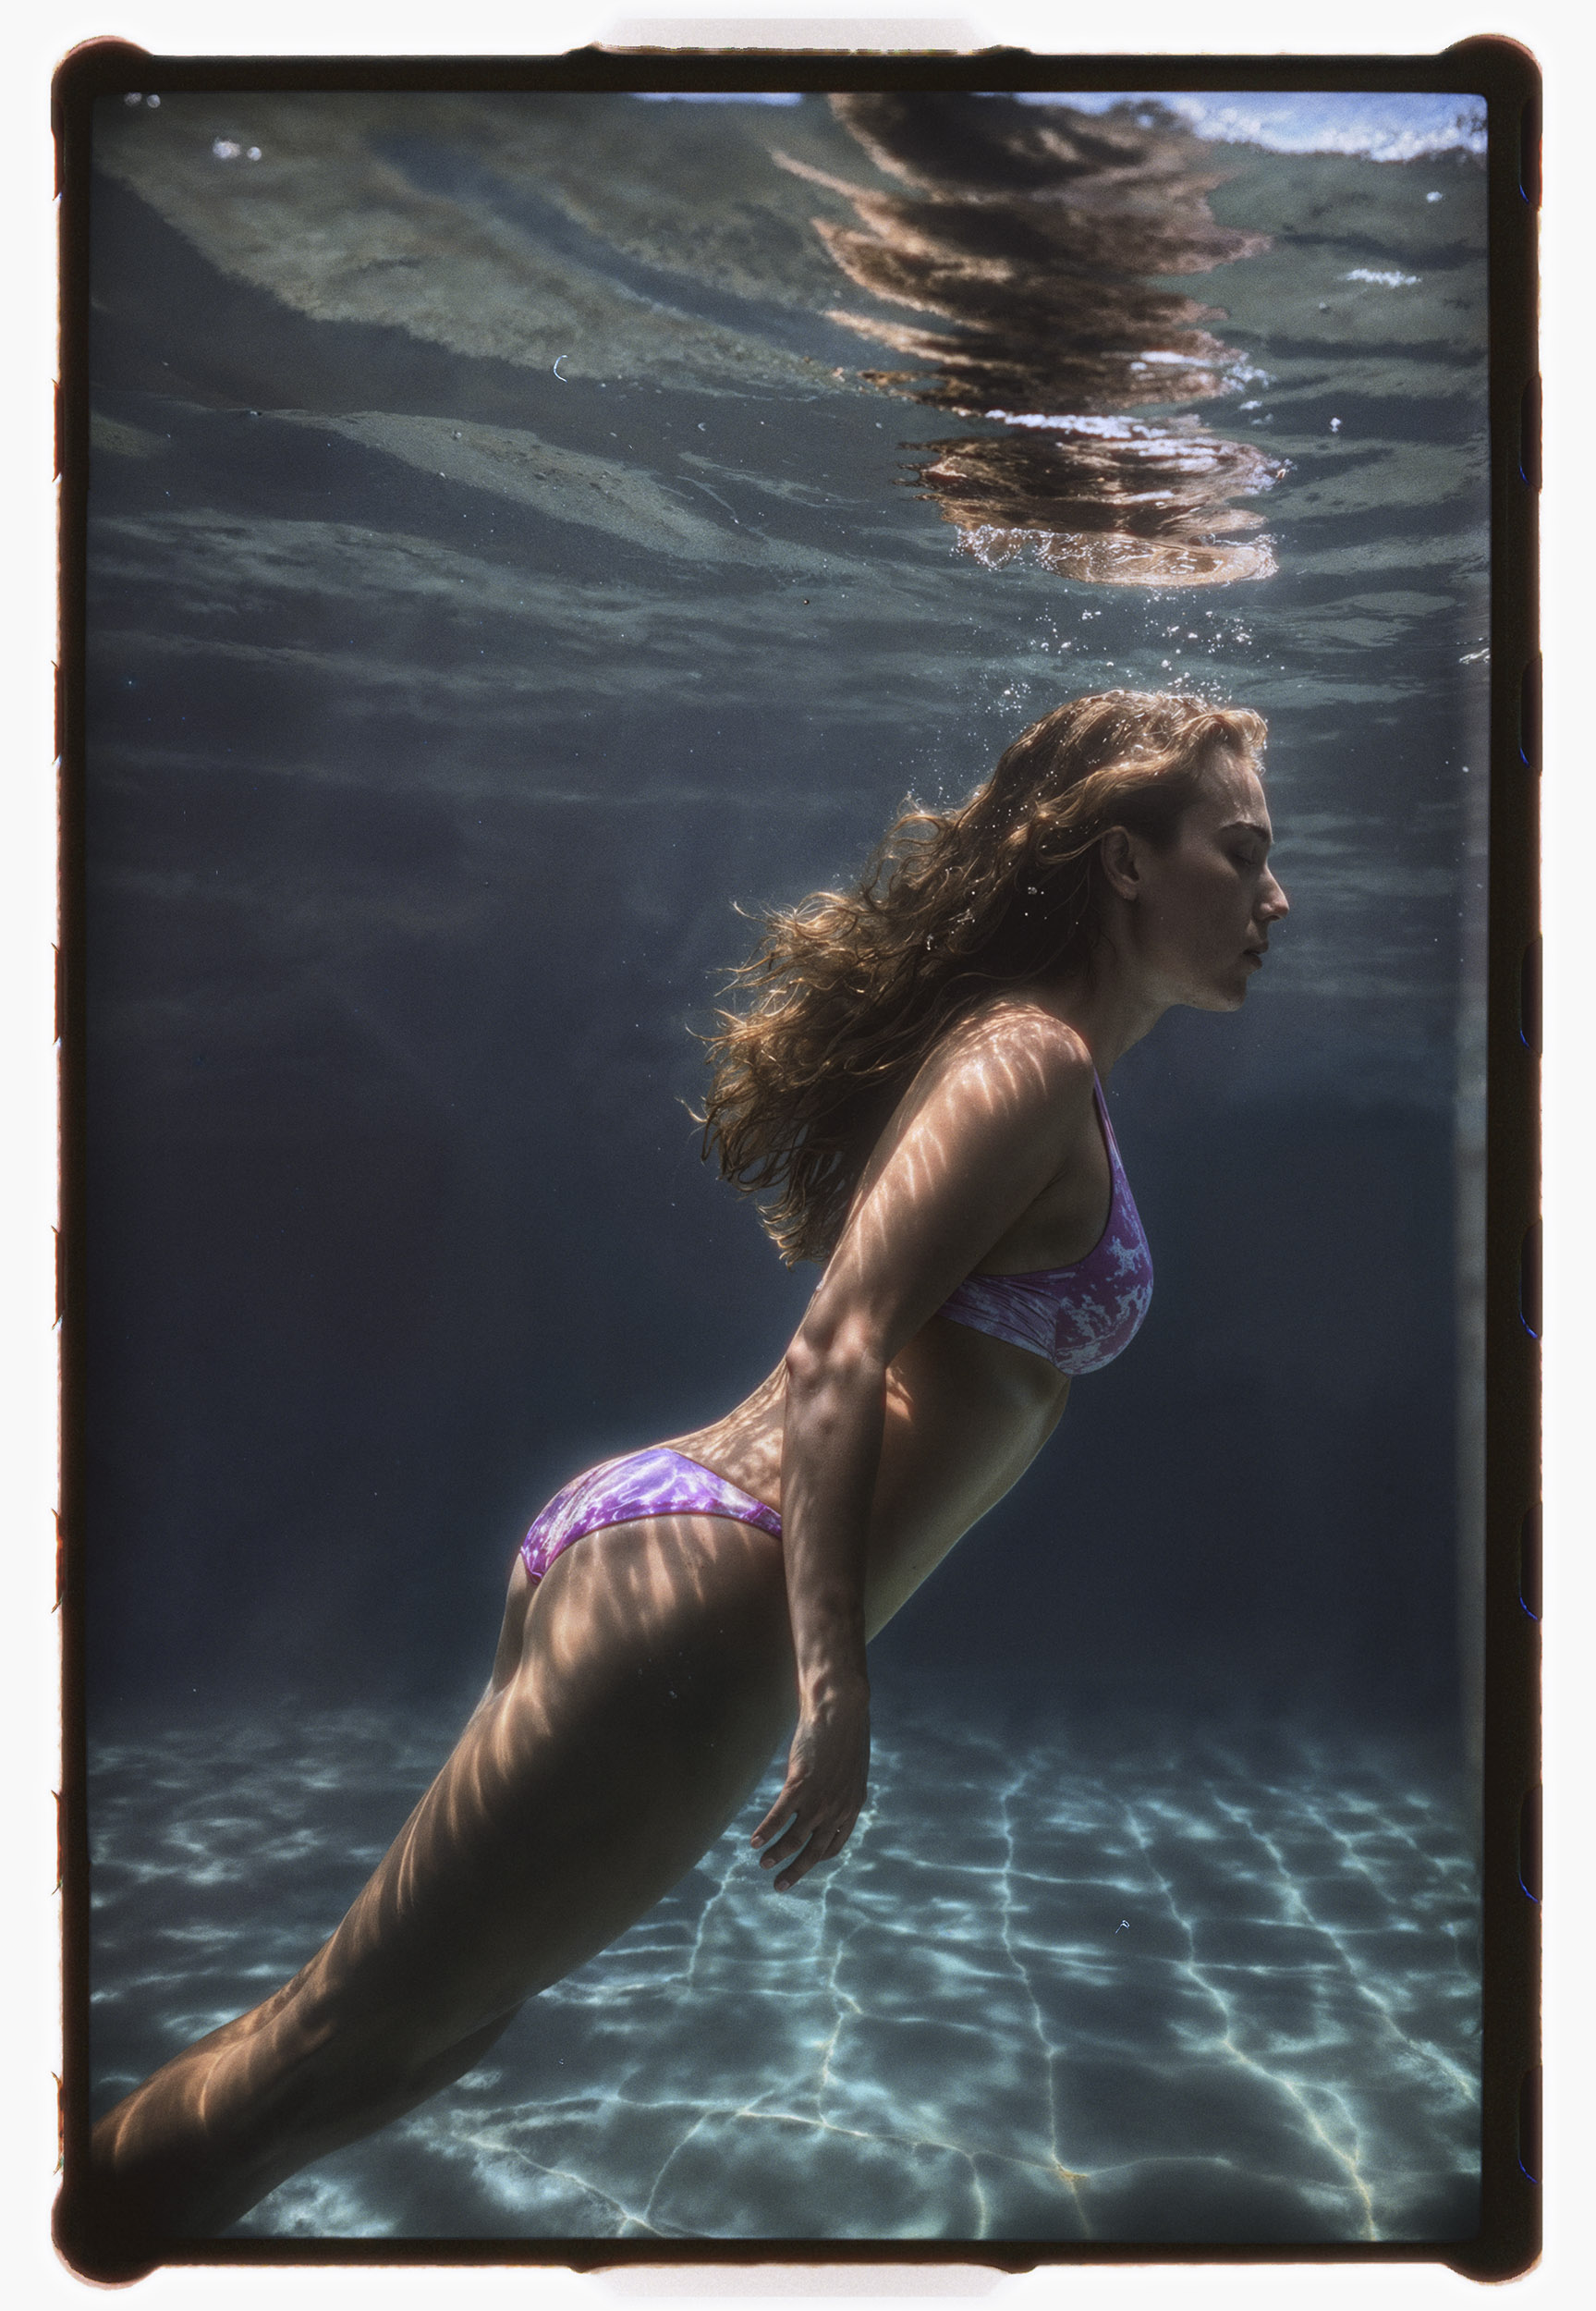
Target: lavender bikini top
(1079,1317)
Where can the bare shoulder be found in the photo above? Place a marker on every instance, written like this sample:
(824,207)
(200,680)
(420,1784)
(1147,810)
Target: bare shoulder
(1037,1051)
(990,1120)
(1008,1066)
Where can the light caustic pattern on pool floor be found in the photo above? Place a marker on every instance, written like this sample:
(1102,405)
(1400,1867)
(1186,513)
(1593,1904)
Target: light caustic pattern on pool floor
(1221,1991)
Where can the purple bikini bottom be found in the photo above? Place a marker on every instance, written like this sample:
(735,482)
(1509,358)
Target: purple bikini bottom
(658,1483)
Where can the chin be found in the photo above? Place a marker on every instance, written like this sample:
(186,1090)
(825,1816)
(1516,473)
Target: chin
(1238,993)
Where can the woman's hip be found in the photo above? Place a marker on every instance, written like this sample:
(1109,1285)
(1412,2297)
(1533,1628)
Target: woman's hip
(657,1481)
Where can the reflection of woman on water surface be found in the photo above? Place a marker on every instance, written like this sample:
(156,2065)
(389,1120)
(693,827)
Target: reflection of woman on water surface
(914,1090)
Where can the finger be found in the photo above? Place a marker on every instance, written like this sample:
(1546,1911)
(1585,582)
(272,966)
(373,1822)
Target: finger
(823,1846)
(800,1865)
(782,1811)
(788,1844)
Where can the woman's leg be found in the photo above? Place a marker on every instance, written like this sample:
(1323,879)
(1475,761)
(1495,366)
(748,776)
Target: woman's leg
(654,1678)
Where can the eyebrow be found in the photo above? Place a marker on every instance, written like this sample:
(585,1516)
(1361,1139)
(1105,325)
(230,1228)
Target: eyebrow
(1249,826)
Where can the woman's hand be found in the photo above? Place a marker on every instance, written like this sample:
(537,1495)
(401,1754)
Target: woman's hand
(828,1767)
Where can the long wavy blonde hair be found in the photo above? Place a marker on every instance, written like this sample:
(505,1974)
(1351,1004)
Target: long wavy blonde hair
(849,989)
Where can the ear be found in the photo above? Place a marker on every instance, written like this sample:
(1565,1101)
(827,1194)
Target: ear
(1120,863)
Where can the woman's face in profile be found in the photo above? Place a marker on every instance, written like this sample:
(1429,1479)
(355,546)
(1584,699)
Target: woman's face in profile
(1206,904)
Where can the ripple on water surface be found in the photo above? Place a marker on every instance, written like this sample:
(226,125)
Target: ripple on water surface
(1190,1990)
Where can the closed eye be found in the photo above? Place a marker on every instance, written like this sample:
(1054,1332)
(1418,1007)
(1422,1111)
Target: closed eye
(1254,845)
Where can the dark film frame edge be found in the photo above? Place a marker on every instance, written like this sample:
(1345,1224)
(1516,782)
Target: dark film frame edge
(1507,2243)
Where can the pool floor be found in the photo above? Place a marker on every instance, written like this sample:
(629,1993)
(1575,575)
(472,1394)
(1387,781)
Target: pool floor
(1150,1989)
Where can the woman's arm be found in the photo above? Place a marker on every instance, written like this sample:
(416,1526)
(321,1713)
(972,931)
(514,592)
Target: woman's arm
(831,1443)
(990,1120)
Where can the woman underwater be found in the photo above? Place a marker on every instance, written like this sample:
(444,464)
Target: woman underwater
(914,1088)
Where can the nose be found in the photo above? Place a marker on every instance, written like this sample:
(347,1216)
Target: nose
(1273,902)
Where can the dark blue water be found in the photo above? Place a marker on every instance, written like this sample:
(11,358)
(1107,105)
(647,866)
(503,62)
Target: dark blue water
(1063,1988)
(499,568)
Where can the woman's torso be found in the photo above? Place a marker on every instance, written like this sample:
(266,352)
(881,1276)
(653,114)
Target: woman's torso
(965,1417)
(965,1412)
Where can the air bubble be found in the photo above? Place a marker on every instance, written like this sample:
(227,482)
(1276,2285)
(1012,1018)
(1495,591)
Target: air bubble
(226,150)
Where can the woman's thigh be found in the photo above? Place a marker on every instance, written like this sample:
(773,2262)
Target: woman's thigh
(655,1679)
